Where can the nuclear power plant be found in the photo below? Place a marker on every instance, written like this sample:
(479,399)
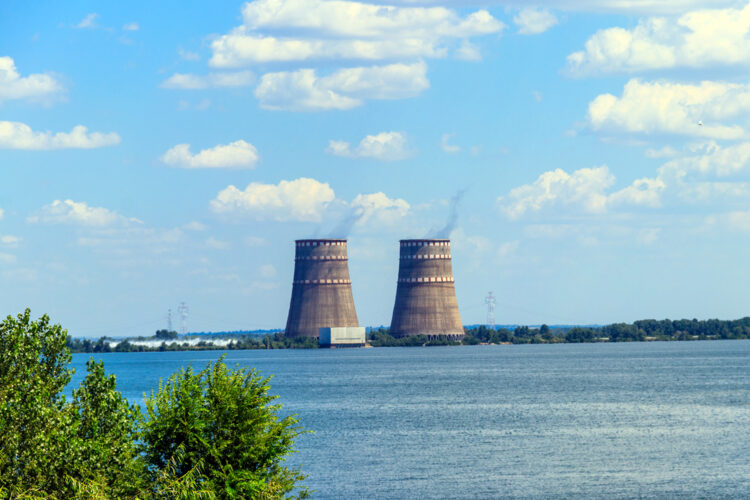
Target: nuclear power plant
(321,290)
(322,304)
(425,295)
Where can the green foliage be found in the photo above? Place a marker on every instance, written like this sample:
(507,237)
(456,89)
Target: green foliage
(223,423)
(214,434)
(34,418)
(165,334)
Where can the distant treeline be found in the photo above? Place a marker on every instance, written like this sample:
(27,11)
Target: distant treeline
(639,331)
(172,343)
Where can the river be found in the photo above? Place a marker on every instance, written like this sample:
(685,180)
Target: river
(649,420)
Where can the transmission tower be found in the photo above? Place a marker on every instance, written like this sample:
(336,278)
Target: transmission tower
(490,301)
(183,310)
(169,320)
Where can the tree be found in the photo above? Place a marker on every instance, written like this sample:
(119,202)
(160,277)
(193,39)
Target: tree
(214,434)
(49,445)
(223,424)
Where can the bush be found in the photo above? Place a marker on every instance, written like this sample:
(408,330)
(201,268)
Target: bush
(211,434)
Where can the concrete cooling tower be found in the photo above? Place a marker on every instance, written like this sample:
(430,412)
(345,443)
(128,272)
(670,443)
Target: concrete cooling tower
(425,296)
(322,289)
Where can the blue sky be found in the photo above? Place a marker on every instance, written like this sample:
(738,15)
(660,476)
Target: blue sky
(155,153)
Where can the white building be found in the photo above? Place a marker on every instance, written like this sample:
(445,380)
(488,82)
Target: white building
(342,336)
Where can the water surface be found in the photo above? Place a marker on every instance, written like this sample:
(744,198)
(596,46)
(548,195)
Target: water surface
(649,420)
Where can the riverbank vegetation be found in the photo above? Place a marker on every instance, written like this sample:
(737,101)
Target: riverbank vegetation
(638,331)
(215,433)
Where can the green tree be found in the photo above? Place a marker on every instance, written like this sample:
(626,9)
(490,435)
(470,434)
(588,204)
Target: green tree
(33,415)
(223,424)
(50,446)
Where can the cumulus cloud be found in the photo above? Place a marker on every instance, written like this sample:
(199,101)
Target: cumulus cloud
(664,152)
(238,154)
(719,161)
(301,30)
(584,187)
(446,146)
(302,199)
(131,27)
(672,108)
(267,271)
(187,81)
(79,213)
(387,146)
(370,208)
(9,240)
(379,207)
(88,22)
(212,242)
(644,192)
(34,86)
(195,226)
(697,39)
(304,90)
(534,20)
(16,135)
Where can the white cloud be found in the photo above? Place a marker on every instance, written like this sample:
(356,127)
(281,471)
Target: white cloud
(719,161)
(212,242)
(665,152)
(302,199)
(79,213)
(9,240)
(534,20)
(644,192)
(16,135)
(238,154)
(318,29)
(672,108)
(187,81)
(2,212)
(131,27)
(88,22)
(647,236)
(195,226)
(188,55)
(507,249)
(7,258)
(585,187)
(628,7)
(697,39)
(387,146)
(378,207)
(267,271)
(14,86)
(347,88)
(446,146)
(468,51)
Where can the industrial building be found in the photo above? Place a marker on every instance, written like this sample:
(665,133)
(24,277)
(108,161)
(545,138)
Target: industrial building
(345,336)
(425,295)
(321,290)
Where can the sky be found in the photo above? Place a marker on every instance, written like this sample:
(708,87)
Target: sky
(152,153)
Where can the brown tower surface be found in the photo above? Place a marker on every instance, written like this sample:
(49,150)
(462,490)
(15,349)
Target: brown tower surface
(322,290)
(425,297)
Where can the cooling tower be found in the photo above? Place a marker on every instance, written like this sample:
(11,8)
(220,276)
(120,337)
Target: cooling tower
(425,296)
(322,290)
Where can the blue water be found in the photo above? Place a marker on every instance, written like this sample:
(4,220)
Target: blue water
(648,420)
